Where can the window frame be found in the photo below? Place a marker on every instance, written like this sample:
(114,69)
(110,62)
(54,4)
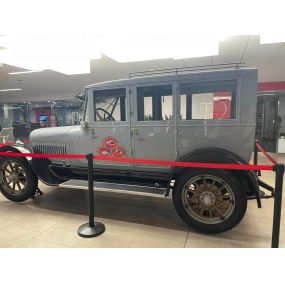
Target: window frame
(218,82)
(126,103)
(135,118)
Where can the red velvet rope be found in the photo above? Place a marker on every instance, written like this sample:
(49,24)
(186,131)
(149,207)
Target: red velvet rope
(9,143)
(40,155)
(185,164)
(266,154)
(146,161)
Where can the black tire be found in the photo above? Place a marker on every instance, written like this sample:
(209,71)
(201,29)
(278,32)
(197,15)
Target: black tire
(231,199)
(25,178)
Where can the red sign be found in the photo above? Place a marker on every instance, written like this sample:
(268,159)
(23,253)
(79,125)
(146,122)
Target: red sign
(110,142)
(222,105)
(104,151)
(118,152)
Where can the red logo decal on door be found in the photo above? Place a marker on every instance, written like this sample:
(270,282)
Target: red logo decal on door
(110,142)
(110,147)
(104,151)
(118,152)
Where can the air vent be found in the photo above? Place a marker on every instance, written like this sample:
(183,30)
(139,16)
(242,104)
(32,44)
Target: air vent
(50,149)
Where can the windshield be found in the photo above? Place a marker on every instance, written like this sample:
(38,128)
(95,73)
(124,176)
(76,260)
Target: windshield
(80,99)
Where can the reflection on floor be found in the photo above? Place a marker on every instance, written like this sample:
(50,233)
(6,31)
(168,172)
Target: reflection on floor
(131,221)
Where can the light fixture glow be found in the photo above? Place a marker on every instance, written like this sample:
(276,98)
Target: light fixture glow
(24,72)
(11,89)
(69,54)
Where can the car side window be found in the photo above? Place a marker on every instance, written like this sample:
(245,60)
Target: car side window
(154,103)
(208,100)
(110,105)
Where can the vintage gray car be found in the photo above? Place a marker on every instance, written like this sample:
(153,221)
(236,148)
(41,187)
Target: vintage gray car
(204,116)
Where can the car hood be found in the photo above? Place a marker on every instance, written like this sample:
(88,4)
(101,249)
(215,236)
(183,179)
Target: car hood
(57,134)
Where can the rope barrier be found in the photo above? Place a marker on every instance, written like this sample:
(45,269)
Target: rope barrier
(40,155)
(265,153)
(186,164)
(144,161)
(10,143)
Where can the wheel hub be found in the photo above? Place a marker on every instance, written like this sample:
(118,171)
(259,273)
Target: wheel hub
(14,177)
(207,198)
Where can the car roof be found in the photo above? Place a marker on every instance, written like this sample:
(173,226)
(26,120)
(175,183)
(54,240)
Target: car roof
(156,78)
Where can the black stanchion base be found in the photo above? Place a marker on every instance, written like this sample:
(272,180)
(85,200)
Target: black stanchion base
(87,232)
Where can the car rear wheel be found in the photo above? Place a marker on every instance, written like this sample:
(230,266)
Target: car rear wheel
(17,180)
(211,201)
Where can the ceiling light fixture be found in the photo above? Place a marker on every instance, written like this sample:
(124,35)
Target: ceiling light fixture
(11,89)
(24,72)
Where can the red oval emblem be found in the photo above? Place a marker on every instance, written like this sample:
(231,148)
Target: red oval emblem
(110,142)
(104,151)
(118,152)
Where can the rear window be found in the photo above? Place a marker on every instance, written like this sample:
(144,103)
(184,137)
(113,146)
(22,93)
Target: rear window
(208,101)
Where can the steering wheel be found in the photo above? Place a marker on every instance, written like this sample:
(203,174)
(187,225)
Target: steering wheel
(109,116)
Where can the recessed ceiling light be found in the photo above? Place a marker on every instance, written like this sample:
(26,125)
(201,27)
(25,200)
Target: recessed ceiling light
(23,72)
(12,89)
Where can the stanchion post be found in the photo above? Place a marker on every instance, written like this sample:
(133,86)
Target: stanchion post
(255,157)
(255,154)
(91,229)
(279,172)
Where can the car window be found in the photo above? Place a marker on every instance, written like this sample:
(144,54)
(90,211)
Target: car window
(204,101)
(154,103)
(110,105)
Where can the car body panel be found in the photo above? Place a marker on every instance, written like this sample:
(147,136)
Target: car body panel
(162,140)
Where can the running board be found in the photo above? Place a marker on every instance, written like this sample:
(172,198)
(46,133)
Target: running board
(114,187)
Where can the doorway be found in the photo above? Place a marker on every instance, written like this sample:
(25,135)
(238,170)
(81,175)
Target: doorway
(267,122)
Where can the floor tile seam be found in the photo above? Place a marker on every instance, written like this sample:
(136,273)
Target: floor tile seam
(185,242)
(51,241)
(141,227)
(60,244)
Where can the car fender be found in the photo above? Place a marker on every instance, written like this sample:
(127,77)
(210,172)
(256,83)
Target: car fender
(39,166)
(217,155)
(17,148)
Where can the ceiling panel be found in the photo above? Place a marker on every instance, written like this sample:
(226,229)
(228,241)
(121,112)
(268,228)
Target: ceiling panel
(205,60)
(254,41)
(257,58)
(227,58)
(233,44)
(51,85)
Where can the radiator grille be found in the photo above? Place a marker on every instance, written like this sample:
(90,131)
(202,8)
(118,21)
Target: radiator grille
(50,149)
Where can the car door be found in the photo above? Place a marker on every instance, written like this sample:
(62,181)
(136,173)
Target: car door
(111,122)
(153,126)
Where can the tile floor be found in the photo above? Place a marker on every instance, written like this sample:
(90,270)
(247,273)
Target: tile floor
(131,221)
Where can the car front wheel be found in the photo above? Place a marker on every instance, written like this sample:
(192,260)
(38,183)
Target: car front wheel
(17,180)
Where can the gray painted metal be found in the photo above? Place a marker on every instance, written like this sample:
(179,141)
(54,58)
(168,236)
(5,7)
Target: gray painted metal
(166,140)
(115,187)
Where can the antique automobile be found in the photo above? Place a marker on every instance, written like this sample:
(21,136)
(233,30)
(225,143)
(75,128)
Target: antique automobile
(196,116)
